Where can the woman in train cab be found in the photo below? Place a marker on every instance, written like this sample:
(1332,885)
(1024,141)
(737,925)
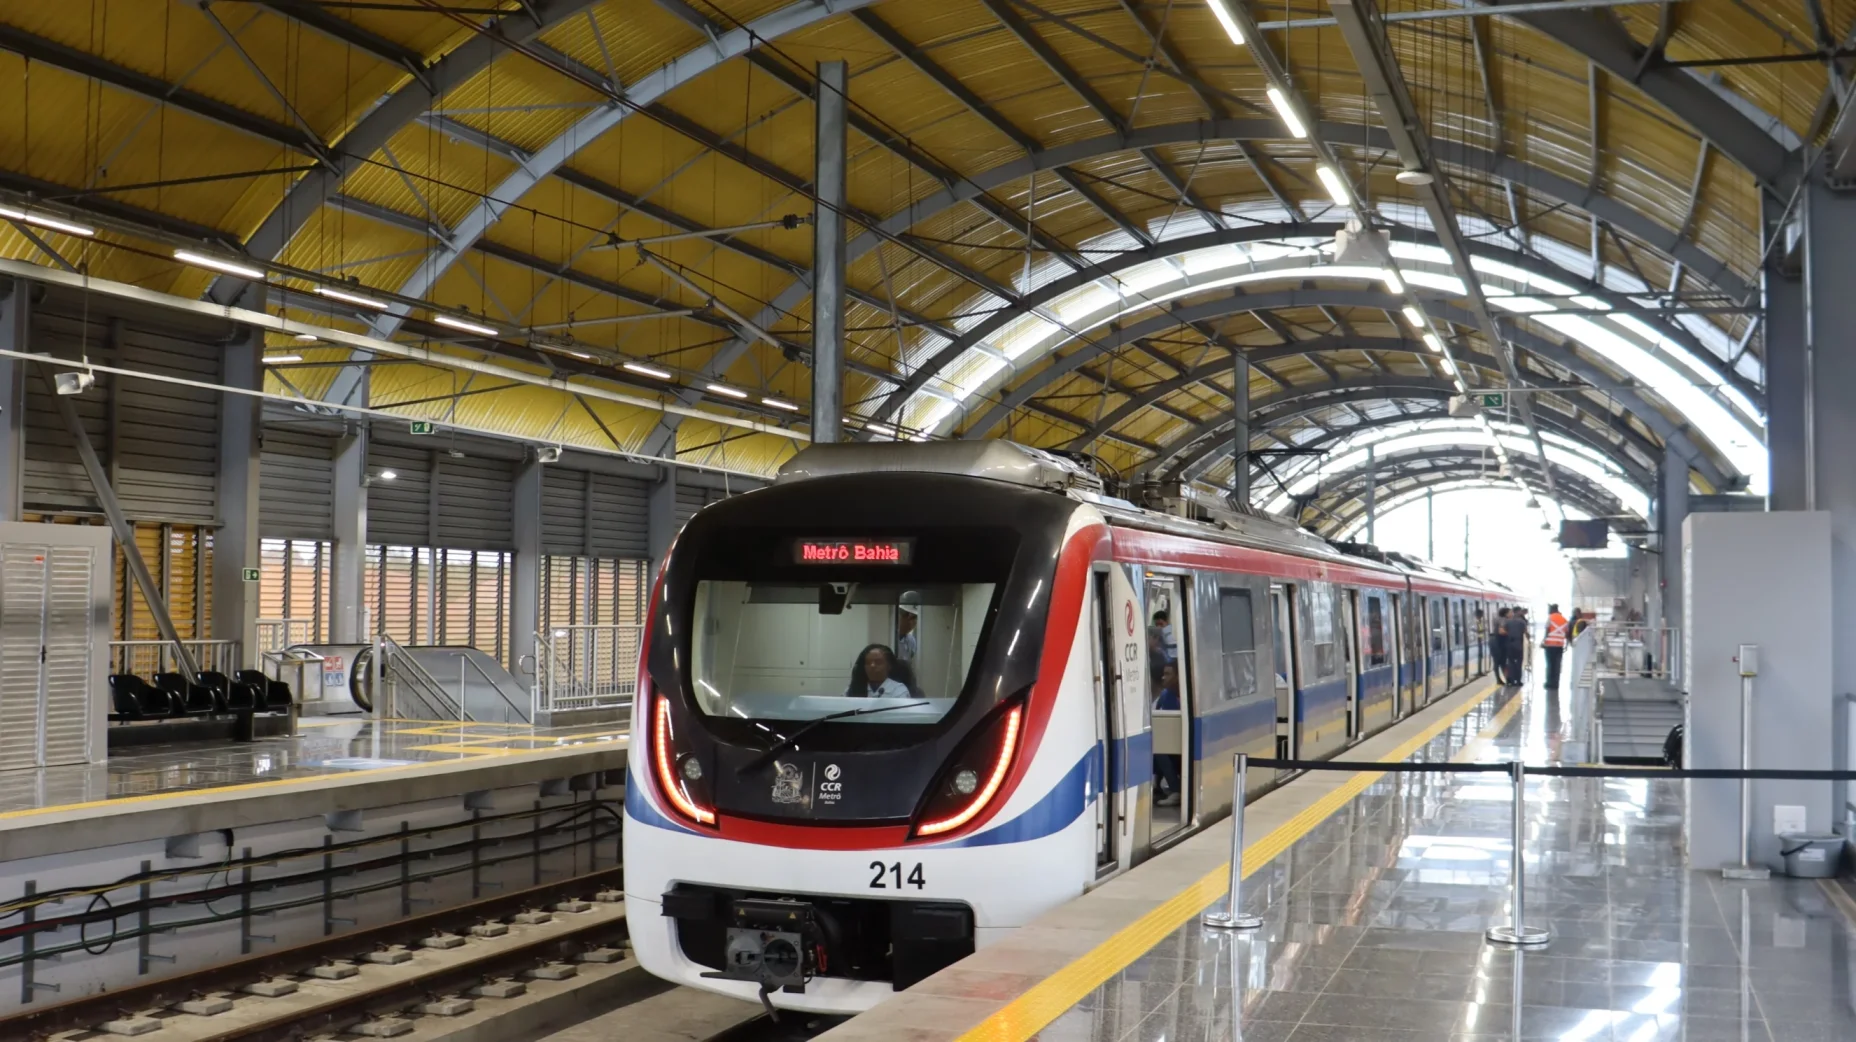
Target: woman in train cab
(1166,765)
(873,675)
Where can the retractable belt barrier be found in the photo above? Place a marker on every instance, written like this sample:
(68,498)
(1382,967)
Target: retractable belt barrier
(1517,934)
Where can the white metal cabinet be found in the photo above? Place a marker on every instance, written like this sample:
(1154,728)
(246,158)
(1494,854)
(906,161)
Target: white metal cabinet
(54,616)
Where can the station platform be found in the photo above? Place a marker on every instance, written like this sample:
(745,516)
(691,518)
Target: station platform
(332,764)
(1376,891)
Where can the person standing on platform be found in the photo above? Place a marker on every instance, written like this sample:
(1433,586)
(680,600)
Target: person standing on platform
(1514,643)
(1498,646)
(1555,644)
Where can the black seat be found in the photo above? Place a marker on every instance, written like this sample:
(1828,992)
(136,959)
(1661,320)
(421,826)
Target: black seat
(192,699)
(275,693)
(229,695)
(136,699)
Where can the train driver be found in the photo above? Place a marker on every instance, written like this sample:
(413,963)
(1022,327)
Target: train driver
(872,675)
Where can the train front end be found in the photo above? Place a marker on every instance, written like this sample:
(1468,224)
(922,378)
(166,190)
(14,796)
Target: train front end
(854,754)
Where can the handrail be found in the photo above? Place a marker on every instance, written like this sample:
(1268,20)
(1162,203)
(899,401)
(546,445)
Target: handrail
(126,656)
(396,659)
(464,657)
(585,666)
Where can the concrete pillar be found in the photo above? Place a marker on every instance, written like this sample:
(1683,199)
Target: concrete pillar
(15,335)
(1830,401)
(525,577)
(1240,428)
(661,518)
(348,610)
(828,257)
(235,544)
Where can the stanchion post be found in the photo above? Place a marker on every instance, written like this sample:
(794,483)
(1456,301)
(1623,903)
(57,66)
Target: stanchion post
(1518,934)
(1233,917)
(1748,658)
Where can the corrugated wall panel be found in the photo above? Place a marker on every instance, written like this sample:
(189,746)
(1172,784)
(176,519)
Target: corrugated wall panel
(476,503)
(399,512)
(621,515)
(296,485)
(563,511)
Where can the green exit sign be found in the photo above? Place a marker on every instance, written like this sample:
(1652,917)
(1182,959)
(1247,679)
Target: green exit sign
(424,427)
(1492,399)
(250,575)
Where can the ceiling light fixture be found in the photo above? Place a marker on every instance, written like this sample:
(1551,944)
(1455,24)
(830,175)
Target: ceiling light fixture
(1337,188)
(47,222)
(307,338)
(1222,12)
(1394,284)
(780,403)
(1415,177)
(281,359)
(388,475)
(1286,110)
(724,389)
(646,370)
(243,271)
(1413,316)
(1431,341)
(468,327)
(351,298)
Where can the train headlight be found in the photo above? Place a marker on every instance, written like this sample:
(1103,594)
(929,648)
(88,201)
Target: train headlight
(975,774)
(692,768)
(683,794)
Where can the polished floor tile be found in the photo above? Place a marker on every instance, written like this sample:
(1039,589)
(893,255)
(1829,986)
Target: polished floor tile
(1374,925)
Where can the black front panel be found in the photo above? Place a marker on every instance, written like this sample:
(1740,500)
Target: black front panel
(883,536)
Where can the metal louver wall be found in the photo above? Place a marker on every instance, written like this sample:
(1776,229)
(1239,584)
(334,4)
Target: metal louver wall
(586,513)
(296,484)
(691,498)
(436,499)
(158,441)
(54,587)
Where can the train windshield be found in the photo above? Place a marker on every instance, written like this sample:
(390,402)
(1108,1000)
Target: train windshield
(801,649)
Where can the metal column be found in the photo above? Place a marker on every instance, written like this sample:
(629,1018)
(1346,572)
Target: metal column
(525,580)
(1788,397)
(1674,512)
(1830,402)
(828,257)
(1430,524)
(661,519)
(1240,428)
(348,609)
(1372,483)
(15,335)
(236,544)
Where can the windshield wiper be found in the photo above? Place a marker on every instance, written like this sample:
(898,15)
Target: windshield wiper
(793,739)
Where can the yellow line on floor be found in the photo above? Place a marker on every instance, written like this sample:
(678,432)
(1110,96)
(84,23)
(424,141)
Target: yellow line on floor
(1050,998)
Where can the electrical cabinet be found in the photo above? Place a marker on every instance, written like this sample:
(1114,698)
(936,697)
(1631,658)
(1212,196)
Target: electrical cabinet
(54,646)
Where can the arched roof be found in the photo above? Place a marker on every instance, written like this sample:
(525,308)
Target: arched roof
(1010,160)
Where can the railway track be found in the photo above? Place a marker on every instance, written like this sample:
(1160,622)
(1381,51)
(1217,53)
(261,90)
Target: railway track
(374,982)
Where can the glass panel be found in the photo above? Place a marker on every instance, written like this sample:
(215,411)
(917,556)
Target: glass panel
(1375,629)
(786,650)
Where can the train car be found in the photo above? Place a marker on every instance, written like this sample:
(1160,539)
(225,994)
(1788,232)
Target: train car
(911,696)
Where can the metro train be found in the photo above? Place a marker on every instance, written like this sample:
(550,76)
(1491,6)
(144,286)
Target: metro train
(911,696)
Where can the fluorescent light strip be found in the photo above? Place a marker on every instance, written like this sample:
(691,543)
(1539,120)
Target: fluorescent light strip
(1394,284)
(351,298)
(724,389)
(1431,341)
(229,267)
(646,370)
(47,222)
(780,403)
(468,327)
(1290,117)
(1337,188)
(308,338)
(1413,316)
(281,359)
(1222,12)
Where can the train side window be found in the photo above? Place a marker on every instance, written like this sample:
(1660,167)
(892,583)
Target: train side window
(1375,629)
(1236,624)
(1279,637)
(1322,609)
(1437,625)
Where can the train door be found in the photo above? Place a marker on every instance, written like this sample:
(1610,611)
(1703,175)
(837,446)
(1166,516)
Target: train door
(1437,662)
(1350,607)
(1105,769)
(1282,657)
(1169,705)
(1396,606)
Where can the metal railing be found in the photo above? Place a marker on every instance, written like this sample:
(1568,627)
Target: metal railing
(585,667)
(1634,649)
(278,634)
(404,676)
(145,658)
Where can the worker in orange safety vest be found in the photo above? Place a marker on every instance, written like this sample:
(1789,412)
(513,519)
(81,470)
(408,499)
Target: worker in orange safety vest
(1555,644)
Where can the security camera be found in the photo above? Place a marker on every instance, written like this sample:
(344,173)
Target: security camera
(74,382)
(548,454)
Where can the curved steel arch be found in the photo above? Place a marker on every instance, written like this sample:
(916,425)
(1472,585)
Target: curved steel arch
(1584,434)
(375,130)
(1057,288)
(1340,513)
(1698,261)
(1340,487)
(1672,433)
